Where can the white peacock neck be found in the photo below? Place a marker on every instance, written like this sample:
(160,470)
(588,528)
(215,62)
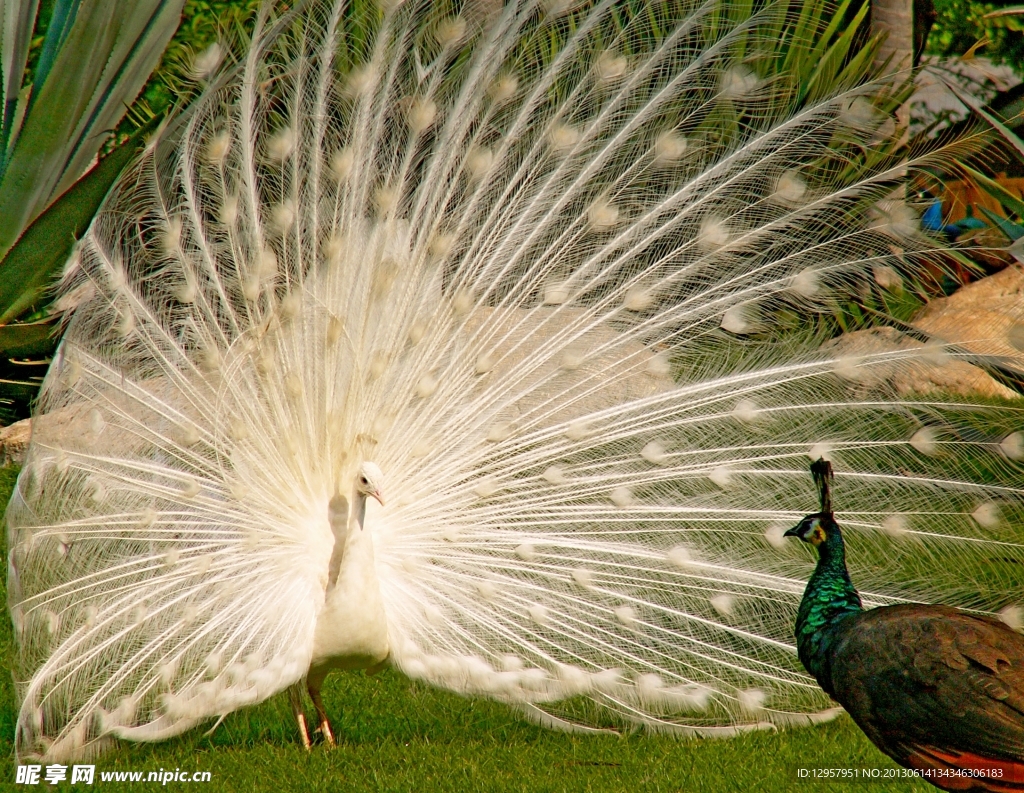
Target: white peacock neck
(358,522)
(347,527)
(368,484)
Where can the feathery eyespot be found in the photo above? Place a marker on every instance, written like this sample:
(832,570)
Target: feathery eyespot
(207,62)
(669,147)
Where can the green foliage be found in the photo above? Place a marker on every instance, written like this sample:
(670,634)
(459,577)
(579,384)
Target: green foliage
(52,135)
(960,24)
(203,22)
(28,346)
(45,245)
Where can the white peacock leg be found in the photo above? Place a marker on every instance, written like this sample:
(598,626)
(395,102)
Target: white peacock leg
(295,697)
(313,685)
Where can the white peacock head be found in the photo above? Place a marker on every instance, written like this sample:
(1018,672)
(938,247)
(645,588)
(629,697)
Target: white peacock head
(370,481)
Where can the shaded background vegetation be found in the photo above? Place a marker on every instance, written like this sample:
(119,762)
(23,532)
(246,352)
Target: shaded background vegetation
(961,24)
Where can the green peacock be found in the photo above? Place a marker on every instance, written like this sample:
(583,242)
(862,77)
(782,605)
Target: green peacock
(935,688)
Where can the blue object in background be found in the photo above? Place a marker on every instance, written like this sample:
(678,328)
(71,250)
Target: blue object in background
(931,220)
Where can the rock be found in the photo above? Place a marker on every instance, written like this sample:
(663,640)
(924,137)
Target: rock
(984,317)
(932,373)
(14,442)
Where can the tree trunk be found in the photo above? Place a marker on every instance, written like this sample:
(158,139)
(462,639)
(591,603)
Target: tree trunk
(895,20)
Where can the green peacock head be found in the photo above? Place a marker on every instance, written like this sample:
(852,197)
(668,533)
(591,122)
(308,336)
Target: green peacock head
(813,529)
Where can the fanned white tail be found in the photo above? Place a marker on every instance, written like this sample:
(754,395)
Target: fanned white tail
(540,271)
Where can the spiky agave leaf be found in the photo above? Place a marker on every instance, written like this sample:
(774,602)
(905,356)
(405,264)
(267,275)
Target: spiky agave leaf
(531,269)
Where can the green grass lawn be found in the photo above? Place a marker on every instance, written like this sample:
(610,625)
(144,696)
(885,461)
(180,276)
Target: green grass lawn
(396,735)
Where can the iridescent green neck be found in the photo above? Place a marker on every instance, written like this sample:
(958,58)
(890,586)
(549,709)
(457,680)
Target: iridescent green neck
(829,598)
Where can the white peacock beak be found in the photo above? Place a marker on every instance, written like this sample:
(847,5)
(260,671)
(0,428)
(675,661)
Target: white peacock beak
(376,495)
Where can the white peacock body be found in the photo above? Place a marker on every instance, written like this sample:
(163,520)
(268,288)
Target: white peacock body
(533,269)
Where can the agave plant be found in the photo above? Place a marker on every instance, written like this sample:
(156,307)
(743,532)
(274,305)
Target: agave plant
(60,100)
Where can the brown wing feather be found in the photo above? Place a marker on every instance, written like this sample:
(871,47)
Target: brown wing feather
(917,676)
